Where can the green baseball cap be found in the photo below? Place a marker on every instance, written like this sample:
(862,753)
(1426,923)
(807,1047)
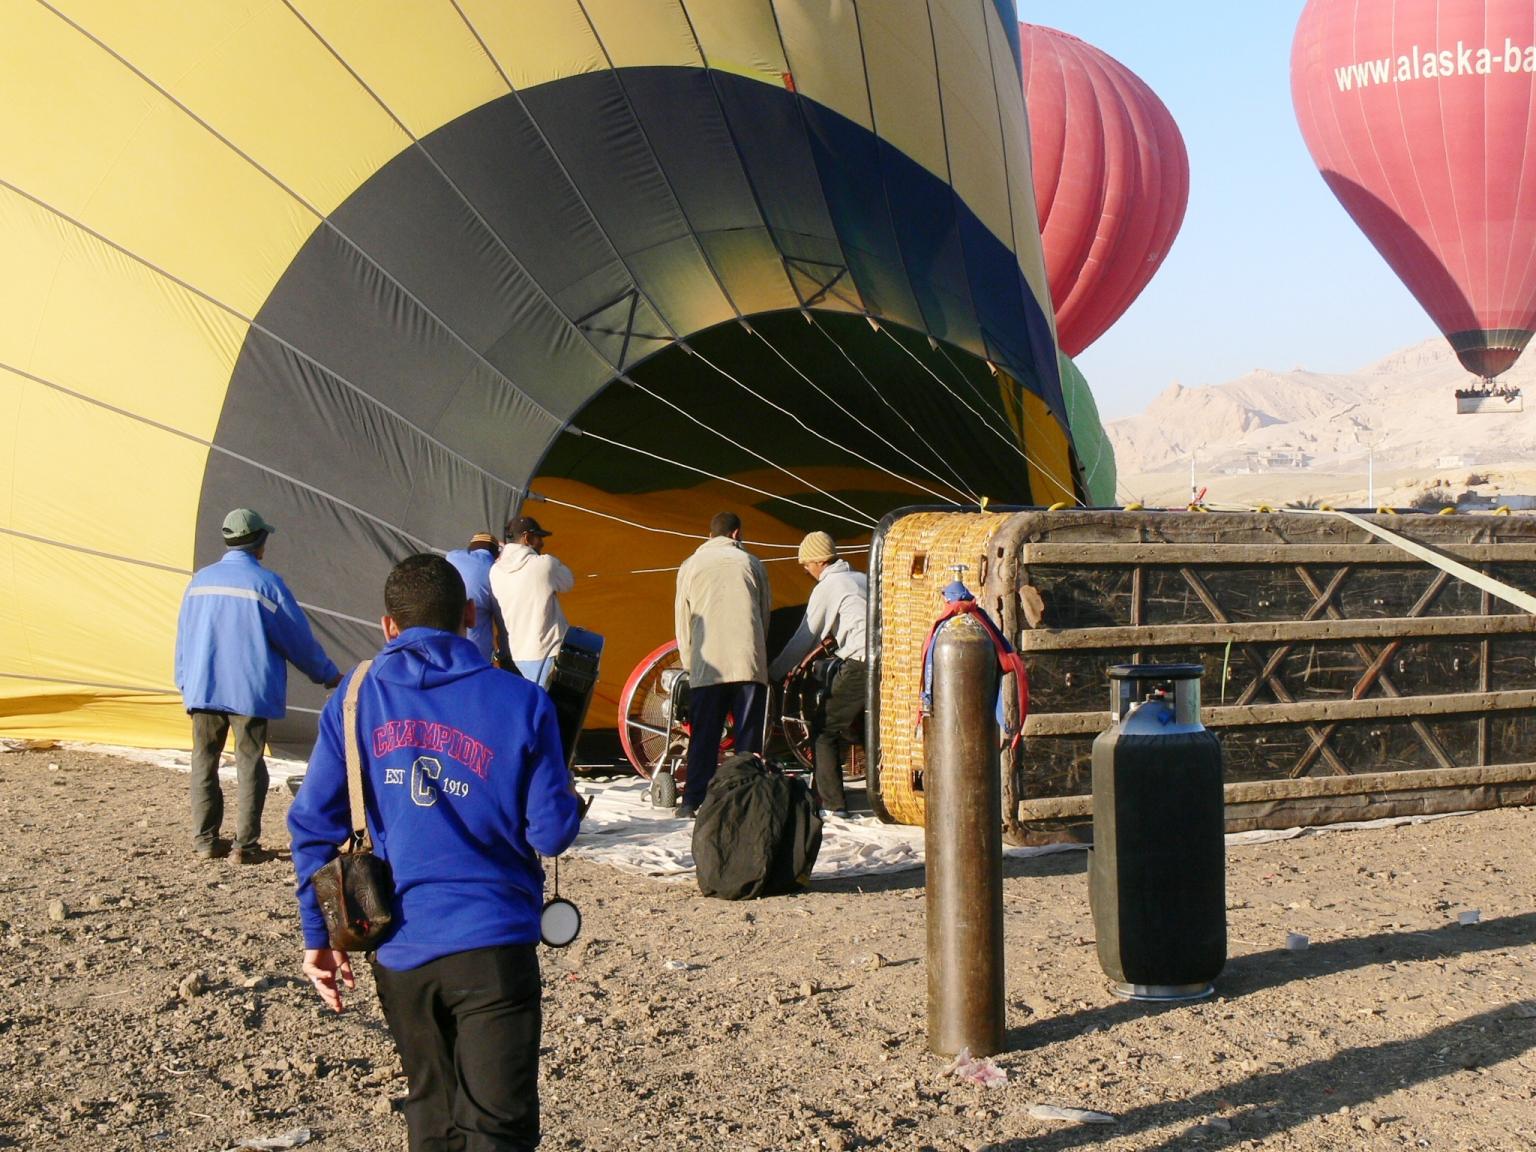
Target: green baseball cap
(242,524)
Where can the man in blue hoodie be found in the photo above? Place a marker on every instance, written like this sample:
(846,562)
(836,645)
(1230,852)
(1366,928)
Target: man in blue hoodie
(466,787)
(238,631)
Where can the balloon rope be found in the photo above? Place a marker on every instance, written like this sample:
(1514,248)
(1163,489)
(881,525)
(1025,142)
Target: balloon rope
(1069,488)
(868,520)
(841,552)
(749,390)
(960,484)
(643,527)
(966,497)
(221,450)
(714,476)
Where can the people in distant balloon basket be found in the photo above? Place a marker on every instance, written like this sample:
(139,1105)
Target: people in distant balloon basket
(527,583)
(238,630)
(467,786)
(721,619)
(836,610)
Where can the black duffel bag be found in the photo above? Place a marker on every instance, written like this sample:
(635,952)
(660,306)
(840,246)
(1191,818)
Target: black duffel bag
(757,832)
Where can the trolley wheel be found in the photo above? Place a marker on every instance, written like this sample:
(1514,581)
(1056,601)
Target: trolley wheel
(649,732)
(645,730)
(663,789)
(796,729)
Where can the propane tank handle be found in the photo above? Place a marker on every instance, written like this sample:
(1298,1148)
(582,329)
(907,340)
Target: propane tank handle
(1130,685)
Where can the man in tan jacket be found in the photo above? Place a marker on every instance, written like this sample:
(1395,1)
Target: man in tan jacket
(722,619)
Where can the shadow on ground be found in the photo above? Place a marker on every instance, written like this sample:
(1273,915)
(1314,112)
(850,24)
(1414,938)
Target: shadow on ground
(1264,1104)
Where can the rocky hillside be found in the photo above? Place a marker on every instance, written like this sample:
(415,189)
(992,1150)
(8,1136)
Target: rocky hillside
(1271,421)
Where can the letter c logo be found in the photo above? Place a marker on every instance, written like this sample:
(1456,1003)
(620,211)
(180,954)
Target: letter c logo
(425,770)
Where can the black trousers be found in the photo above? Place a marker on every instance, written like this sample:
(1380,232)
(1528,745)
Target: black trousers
(836,727)
(467,1029)
(747,702)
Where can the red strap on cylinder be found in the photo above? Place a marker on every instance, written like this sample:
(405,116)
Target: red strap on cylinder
(1007,659)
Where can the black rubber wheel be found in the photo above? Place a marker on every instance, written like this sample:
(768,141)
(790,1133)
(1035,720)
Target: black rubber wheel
(663,790)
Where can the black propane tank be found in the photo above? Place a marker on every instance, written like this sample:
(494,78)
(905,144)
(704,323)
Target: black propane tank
(1157,873)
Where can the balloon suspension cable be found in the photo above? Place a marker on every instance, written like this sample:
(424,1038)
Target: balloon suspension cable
(841,552)
(255,325)
(1064,486)
(965,497)
(714,476)
(558,503)
(1046,472)
(959,485)
(867,520)
(749,390)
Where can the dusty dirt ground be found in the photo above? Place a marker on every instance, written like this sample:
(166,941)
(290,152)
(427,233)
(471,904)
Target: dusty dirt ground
(151,1001)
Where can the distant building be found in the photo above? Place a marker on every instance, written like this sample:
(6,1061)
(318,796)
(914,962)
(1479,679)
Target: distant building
(1454,462)
(1472,502)
(1277,459)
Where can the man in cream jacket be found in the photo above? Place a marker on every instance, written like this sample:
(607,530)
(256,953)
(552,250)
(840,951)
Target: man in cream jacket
(722,618)
(527,586)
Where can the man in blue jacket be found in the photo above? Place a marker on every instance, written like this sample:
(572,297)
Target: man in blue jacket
(474,564)
(238,631)
(466,787)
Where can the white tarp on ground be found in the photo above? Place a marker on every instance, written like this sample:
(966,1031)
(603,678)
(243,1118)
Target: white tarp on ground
(623,831)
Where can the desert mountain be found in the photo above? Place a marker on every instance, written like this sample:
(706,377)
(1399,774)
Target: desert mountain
(1269,421)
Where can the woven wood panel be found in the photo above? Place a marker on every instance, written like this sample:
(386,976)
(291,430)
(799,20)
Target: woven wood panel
(917,560)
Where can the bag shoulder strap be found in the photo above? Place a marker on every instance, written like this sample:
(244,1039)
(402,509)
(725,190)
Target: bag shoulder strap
(360,838)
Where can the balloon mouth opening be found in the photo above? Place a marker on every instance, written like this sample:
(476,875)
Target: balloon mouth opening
(1489,354)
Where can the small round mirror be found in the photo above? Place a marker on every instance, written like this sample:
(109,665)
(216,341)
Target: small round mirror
(559,923)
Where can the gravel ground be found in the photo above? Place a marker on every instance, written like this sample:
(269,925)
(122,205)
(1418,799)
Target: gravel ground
(148,1000)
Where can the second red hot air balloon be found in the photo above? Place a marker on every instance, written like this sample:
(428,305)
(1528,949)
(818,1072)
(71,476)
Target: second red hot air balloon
(1419,115)
(1111,180)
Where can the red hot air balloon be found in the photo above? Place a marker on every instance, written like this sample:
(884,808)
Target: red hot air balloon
(1419,115)
(1111,180)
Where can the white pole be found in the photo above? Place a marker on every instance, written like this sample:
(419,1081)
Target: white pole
(1370,480)
(1192,488)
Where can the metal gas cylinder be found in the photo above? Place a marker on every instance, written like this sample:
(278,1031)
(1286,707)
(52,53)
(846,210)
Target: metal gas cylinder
(1157,872)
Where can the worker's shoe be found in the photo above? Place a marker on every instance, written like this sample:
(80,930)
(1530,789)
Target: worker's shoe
(251,854)
(685,812)
(211,849)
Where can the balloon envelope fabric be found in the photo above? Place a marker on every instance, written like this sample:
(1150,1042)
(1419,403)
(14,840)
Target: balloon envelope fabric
(389,273)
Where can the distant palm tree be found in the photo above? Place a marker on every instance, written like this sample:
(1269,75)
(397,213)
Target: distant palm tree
(1311,502)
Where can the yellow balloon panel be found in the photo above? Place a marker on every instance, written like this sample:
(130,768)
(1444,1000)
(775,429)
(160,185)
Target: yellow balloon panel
(537,40)
(92,319)
(972,131)
(1049,450)
(230,232)
(903,87)
(62,643)
(97,715)
(644,35)
(422,60)
(97,479)
(259,77)
(818,44)
(81,106)
(739,38)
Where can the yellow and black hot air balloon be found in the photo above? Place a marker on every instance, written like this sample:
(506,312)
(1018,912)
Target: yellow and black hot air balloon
(387,270)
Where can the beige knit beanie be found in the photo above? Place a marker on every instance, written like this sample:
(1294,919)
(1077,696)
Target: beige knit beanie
(817,546)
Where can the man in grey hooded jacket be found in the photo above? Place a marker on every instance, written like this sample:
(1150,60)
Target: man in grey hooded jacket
(838,606)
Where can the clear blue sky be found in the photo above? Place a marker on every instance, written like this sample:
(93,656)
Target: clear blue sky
(1268,271)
